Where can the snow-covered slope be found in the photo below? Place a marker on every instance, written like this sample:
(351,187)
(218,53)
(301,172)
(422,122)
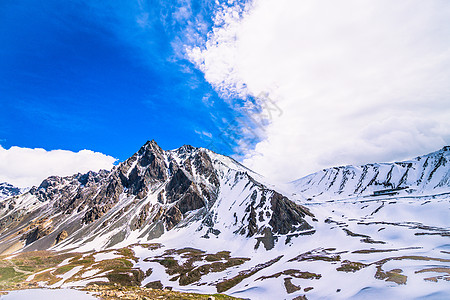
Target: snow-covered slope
(428,174)
(196,221)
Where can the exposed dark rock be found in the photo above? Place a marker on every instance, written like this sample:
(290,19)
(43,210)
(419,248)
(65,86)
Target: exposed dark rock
(173,217)
(287,216)
(268,239)
(35,234)
(203,164)
(187,166)
(303,297)
(8,190)
(61,236)
(290,287)
(159,213)
(148,169)
(139,222)
(177,186)
(156,285)
(190,201)
(13,218)
(185,180)
(252,225)
(161,197)
(180,188)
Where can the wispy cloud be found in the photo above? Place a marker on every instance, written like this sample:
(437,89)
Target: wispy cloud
(357,80)
(204,134)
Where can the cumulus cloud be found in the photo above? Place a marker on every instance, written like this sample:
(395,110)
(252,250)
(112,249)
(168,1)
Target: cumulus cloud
(357,80)
(25,167)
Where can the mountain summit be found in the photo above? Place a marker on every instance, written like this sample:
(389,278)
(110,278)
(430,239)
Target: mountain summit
(152,192)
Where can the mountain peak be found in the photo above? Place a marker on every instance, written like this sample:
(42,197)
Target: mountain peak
(149,146)
(186,148)
(154,191)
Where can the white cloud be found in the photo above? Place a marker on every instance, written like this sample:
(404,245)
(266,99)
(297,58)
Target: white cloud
(357,80)
(25,167)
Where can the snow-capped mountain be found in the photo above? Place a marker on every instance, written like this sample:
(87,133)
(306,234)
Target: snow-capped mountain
(197,221)
(152,192)
(8,190)
(424,174)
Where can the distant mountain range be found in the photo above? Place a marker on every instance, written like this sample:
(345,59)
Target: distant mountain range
(8,190)
(423,174)
(293,240)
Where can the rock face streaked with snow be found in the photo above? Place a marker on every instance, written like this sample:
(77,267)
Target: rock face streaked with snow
(8,190)
(378,230)
(152,192)
(428,173)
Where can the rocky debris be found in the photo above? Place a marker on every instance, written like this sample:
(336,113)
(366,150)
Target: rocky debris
(61,236)
(94,213)
(10,220)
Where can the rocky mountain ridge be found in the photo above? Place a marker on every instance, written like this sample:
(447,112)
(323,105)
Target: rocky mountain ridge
(423,174)
(147,195)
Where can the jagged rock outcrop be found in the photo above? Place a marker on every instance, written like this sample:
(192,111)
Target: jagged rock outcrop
(152,192)
(287,217)
(35,234)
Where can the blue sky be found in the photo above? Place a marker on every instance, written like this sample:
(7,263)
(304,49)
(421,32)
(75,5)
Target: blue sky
(287,87)
(106,77)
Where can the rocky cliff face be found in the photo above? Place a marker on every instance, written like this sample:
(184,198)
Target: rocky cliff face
(151,193)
